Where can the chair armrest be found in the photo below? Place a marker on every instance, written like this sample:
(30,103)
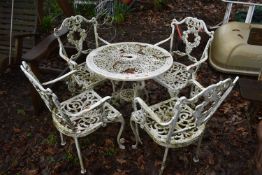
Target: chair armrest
(24,35)
(163,41)
(102,40)
(197,84)
(196,87)
(43,48)
(19,45)
(75,116)
(151,113)
(202,60)
(59,78)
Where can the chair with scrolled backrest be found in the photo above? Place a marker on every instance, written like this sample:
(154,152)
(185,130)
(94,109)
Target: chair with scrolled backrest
(77,39)
(178,76)
(179,122)
(78,116)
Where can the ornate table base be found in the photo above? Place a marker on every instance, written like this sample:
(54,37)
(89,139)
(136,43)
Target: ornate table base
(134,89)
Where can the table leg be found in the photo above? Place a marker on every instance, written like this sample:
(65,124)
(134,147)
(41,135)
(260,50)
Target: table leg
(129,93)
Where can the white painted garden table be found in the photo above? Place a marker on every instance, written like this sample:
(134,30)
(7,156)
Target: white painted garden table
(129,61)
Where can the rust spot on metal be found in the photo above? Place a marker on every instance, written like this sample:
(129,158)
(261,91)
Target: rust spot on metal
(115,63)
(236,30)
(240,36)
(129,70)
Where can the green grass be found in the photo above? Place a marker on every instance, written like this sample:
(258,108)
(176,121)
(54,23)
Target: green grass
(110,152)
(51,139)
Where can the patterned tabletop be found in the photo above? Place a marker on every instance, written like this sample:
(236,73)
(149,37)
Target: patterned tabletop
(129,61)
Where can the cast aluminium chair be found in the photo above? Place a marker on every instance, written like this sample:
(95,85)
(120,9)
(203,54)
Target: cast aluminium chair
(78,116)
(179,122)
(179,74)
(78,27)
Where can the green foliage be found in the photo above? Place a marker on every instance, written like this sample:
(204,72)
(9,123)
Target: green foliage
(71,158)
(51,11)
(29,135)
(21,112)
(120,12)
(159,4)
(47,23)
(51,159)
(51,139)
(110,152)
(86,10)
(51,8)
(257,17)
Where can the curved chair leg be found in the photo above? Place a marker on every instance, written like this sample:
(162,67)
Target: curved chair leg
(113,86)
(164,161)
(119,139)
(136,133)
(146,94)
(195,158)
(63,142)
(143,88)
(72,86)
(83,170)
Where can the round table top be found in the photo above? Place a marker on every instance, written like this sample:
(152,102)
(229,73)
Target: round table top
(129,61)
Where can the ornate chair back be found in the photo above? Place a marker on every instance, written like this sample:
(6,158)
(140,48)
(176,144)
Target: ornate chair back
(49,98)
(203,105)
(192,32)
(78,27)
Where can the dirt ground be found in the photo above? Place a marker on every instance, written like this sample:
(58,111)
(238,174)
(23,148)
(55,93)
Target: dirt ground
(29,144)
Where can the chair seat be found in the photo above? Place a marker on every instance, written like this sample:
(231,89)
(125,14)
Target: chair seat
(175,78)
(84,78)
(90,121)
(164,111)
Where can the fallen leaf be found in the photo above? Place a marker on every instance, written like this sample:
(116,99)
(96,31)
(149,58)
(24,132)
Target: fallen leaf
(17,130)
(50,151)
(31,172)
(109,143)
(121,161)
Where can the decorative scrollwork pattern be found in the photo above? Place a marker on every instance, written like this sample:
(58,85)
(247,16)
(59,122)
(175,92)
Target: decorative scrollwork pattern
(193,28)
(91,120)
(175,78)
(84,78)
(182,120)
(76,36)
(165,112)
(129,61)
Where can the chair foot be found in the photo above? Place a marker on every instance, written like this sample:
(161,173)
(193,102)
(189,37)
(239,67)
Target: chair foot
(63,142)
(164,162)
(136,133)
(122,141)
(134,146)
(196,159)
(83,171)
